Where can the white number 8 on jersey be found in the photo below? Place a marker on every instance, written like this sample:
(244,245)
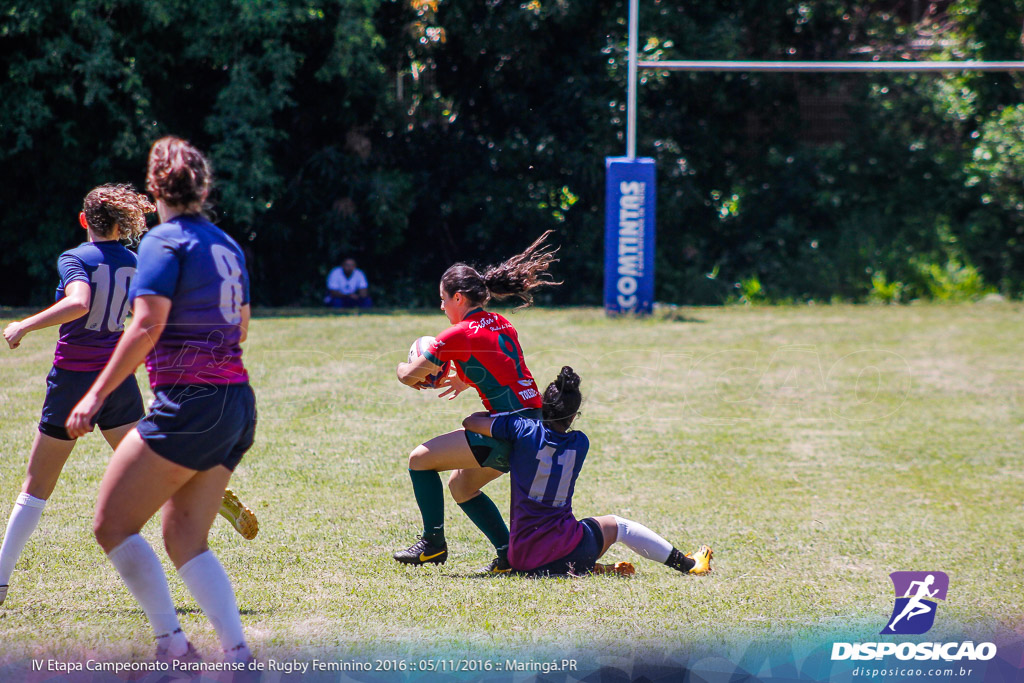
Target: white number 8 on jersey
(230,269)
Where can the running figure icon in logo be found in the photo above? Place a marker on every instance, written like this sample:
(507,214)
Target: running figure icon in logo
(914,612)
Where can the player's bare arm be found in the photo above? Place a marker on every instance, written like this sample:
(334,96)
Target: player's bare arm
(73,306)
(479,423)
(150,317)
(413,372)
(244,325)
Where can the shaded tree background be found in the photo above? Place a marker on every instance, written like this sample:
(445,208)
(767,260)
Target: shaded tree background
(414,133)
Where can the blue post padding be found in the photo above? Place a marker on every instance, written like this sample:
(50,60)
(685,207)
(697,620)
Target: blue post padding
(629,235)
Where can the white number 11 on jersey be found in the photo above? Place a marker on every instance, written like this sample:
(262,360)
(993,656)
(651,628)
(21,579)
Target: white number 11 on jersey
(566,463)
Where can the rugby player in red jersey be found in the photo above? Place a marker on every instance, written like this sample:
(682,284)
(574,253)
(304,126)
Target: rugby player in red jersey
(484,348)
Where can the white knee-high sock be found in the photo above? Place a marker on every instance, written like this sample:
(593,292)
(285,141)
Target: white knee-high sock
(642,540)
(24,518)
(141,571)
(210,586)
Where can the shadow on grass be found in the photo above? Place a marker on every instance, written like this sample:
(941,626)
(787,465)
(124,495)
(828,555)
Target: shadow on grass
(678,318)
(339,312)
(668,314)
(30,610)
(517,576)
(674,315)
(197,610)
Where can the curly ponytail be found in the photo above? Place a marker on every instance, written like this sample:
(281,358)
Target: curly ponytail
(518,276)
(562,399)
(120,206)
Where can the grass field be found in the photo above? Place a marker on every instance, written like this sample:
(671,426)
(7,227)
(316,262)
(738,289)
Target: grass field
(816,449)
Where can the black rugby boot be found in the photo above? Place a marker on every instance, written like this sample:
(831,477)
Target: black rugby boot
(422,552)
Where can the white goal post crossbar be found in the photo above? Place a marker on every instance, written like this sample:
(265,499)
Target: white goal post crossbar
(776,67)
(831,67)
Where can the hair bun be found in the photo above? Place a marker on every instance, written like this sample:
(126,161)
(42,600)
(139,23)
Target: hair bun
(567,379)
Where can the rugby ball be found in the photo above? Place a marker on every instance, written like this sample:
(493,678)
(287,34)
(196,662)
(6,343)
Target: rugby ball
(418,348)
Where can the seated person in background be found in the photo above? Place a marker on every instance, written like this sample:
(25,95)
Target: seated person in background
(347,287)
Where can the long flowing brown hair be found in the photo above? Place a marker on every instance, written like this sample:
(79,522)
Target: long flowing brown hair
(518,276)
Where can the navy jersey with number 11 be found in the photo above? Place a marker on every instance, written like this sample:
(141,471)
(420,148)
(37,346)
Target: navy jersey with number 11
(543,467)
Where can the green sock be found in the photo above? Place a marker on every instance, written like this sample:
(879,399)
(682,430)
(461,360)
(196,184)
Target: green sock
(429,492)
(484,513)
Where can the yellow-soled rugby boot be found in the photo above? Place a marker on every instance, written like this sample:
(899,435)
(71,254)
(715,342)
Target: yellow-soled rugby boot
(242,518)
(701,560)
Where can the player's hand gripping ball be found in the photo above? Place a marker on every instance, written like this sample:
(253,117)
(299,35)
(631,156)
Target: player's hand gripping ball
(417,349)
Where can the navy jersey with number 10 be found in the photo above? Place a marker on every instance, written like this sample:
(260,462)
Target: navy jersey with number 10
(543,467)
(85,344)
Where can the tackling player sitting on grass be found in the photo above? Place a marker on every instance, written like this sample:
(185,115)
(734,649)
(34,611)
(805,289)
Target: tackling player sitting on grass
(484,347)
(546,459)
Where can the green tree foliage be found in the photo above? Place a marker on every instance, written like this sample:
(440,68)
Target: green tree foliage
(269,88)
(996,237)
(414,133)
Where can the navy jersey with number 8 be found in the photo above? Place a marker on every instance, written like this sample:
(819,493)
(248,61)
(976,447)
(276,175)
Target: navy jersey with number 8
(202,271)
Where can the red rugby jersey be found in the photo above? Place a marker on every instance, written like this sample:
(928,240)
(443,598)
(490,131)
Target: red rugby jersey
(485,350)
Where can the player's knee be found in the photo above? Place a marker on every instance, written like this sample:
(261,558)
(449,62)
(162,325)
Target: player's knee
(419,458)
(181,541)
(461,489)
(108,534)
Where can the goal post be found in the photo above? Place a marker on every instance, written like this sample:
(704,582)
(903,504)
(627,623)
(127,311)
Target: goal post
(630,191)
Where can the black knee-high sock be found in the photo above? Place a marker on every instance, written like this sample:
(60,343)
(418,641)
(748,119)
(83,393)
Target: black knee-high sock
(429,492)
(484,513)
